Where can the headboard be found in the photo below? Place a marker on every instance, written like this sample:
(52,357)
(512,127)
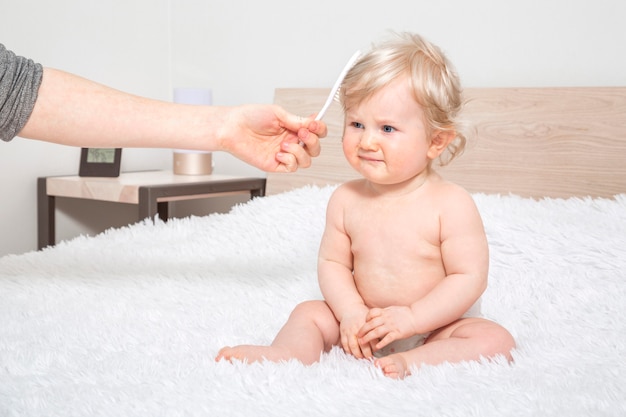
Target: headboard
(533,142)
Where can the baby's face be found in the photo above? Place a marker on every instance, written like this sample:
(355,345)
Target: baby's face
(385,137)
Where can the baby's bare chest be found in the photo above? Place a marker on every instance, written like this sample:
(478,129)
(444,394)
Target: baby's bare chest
(396,254)
(396,247)
(394,234)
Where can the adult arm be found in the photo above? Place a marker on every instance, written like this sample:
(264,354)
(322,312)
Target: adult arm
(19,81)
(75,111)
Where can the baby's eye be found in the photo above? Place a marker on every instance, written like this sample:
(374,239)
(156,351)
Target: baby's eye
(388,129)
(357,125)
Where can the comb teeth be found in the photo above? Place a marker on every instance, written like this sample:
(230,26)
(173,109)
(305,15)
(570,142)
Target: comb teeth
(337,94)
(334,92)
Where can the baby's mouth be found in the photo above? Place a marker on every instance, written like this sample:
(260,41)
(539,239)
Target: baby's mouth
(369,158)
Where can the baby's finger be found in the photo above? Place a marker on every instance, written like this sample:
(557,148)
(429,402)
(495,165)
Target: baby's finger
(373,313)
(371,337)
(344,343)
(385,341)
(370,325)
(355,348)
(367,350)
(372,345)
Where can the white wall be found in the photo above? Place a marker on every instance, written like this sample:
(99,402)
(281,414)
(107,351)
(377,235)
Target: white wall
(243,50)
(124,44)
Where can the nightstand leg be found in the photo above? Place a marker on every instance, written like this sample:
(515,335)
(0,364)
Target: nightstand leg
(163,208)
(149,206)
(259,192)
(45,216)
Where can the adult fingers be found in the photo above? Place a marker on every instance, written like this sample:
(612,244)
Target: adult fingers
(292,122)
(310,141)
(288,162)
(300,154)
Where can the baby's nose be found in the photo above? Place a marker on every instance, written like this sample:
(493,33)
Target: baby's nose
(368,140)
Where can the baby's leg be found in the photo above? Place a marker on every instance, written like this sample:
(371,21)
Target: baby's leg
(463,340)
(310,330)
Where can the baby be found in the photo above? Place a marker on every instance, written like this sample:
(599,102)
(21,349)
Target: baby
(404,258)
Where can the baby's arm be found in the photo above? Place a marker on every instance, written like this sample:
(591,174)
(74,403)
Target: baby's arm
(336,280)
(465,257)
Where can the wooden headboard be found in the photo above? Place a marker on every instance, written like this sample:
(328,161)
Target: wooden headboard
(533,142)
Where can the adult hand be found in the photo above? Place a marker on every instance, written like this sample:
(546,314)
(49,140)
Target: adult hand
(270,138)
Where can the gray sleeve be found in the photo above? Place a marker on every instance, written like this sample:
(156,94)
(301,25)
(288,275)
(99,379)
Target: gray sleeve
(20,79)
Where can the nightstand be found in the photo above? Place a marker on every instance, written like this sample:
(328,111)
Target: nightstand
(151,191)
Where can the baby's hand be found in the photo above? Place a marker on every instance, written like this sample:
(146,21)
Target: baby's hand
(349,327)
(386,324)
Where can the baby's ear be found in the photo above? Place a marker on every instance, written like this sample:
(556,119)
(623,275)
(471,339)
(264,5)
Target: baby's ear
(439,142)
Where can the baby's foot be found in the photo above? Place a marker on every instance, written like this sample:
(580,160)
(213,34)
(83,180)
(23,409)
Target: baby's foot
(251,353)
(393,366)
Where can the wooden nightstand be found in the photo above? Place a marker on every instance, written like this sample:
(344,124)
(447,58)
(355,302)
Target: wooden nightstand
(150,190)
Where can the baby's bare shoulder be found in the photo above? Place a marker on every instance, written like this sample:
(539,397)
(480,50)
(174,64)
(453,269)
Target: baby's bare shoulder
(450,190)
(451,199)
(345,195)
(349,189)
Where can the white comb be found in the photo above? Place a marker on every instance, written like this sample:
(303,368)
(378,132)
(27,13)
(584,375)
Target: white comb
(335,90)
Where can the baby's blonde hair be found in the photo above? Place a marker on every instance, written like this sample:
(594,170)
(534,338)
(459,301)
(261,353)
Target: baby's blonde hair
(435,83)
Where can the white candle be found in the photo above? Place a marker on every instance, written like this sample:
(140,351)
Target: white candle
(188,162)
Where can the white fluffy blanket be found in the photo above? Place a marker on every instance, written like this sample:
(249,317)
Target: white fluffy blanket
(127,323)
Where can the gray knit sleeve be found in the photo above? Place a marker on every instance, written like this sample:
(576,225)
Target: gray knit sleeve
(20,79)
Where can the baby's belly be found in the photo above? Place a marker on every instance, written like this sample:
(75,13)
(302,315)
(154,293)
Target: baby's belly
(391,290)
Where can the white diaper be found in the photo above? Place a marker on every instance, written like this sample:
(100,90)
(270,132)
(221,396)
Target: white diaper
(418,340)
(402,345)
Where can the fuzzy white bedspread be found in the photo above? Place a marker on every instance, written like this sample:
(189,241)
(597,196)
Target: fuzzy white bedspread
(127,323)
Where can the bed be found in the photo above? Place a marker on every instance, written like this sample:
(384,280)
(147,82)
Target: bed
(127,323)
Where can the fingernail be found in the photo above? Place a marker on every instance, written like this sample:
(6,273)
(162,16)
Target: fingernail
(303,133)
